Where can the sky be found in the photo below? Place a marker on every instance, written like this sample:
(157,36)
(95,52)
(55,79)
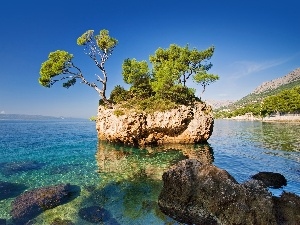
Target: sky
(255,41)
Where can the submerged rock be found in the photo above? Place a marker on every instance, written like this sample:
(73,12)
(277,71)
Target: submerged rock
(59,221)
(94,214)
(31,203)
(11,168)
(270,179)
(196,193)
(10,190)
(184,124)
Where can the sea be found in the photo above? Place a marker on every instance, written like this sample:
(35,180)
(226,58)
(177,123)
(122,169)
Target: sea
(120,185)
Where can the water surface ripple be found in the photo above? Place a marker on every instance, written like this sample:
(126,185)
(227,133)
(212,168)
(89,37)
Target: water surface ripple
(120,185)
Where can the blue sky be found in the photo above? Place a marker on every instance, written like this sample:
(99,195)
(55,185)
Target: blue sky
(255,41)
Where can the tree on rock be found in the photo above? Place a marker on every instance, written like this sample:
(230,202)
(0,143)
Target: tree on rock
(60,67)
(181,61)
(171,68)
(204,79)
(138,75)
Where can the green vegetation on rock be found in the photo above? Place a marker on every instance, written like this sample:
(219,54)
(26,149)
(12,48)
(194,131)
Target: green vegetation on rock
(164,86)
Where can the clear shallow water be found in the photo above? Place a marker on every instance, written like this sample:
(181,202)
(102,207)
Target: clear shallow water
(127,181)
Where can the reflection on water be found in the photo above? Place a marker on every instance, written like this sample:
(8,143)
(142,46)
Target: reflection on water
(244,148)
(279,136)
(121,162)
(132,179)
(269,135)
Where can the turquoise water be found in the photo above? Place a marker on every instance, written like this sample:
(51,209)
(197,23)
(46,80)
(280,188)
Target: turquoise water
(126,181)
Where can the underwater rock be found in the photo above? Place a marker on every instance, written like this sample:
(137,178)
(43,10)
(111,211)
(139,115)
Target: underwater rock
(59,221)
(112,221)
(11,168)
(10,190)
(2,222)
(31,203)
(62,169)
(94,214)
(270,179)
(183,124)
(196,193)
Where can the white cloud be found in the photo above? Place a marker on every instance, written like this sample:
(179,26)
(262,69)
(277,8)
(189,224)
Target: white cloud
(2,112)
(244,68)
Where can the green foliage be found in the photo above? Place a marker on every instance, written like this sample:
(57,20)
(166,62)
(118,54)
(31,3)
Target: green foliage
(175,65)
(134,72)
(118,94)
(180,94)
(59,62)
(137,74)
(85,37)
(103,40)
(158,89)
(167,80)
(287,101)
(205,79)
(149,105)
(119,112)
(257,98)
(69,83)
(93,118)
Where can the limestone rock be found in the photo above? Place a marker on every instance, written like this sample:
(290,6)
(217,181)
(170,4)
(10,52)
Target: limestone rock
(184,124)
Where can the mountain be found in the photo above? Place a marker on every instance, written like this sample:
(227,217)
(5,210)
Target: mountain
(266,89)
(273,84)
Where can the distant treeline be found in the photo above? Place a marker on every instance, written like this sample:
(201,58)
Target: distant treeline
(286,101)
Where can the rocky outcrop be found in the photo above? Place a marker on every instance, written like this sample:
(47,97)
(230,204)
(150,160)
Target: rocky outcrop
(196,193)
(270,179)
(287,208)
(184,124)
(31,203)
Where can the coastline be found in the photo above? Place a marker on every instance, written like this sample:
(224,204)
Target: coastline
(277,118)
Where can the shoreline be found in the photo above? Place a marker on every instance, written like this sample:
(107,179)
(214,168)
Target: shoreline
(293,119)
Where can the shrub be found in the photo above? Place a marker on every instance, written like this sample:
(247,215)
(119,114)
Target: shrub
(119,112)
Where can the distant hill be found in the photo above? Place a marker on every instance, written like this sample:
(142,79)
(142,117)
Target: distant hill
(216,104)
(4,116)
(269,88)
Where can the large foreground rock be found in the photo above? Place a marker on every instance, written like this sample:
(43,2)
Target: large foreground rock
(184,124)
(31,203)
(196,193)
